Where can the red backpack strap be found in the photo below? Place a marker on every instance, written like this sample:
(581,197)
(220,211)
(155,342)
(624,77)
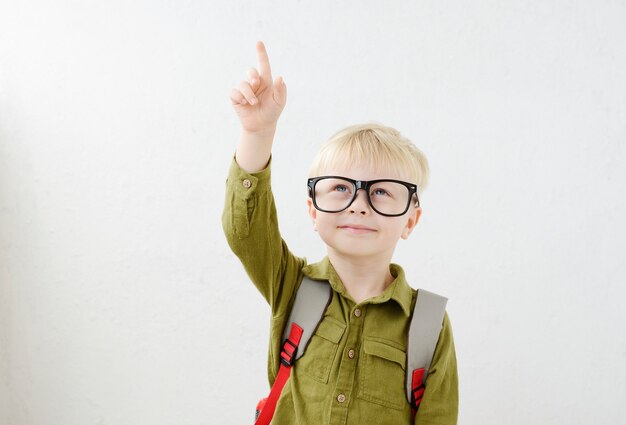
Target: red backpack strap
(266,407)
(311,301)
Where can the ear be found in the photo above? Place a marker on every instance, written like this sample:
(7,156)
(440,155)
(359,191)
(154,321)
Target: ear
(312,213)
(414,216)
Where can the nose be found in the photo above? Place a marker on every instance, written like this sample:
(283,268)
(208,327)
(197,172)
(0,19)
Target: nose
(360,203)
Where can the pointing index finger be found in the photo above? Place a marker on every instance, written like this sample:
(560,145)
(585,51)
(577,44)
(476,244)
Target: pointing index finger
(264,63)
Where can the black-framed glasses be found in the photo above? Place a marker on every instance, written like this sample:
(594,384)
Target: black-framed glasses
(387,197)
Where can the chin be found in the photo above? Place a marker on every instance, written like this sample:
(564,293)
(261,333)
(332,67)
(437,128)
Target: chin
(352,251)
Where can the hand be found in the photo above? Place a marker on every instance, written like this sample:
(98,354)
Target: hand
(258,102)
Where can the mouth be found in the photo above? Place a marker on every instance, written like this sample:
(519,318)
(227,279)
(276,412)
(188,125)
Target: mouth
(355,228)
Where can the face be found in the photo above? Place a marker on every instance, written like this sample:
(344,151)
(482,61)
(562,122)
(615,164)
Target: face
(359,231)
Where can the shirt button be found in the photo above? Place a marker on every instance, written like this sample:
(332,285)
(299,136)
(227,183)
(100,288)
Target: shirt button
(351,354)
(341,398)
(357,312)
(247,183)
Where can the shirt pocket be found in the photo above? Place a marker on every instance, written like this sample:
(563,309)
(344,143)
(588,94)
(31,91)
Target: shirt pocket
(320,354)
(383,374)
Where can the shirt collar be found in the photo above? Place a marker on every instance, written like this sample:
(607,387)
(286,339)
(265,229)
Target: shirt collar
(399,290)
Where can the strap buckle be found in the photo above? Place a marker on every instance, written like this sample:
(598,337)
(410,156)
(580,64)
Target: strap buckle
(417,388)
(287,358)
(416,396)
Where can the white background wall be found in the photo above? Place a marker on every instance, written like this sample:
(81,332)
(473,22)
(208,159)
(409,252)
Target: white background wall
(120,302)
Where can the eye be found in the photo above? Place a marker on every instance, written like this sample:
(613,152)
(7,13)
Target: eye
(381,192)
(341,188)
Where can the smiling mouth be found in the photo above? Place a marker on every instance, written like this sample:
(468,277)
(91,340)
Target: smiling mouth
(357,229)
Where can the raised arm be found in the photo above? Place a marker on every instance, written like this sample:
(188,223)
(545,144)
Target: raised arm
(258,102)
(249,219)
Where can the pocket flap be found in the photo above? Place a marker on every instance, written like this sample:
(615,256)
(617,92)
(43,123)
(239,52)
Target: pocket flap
(330,329)
(385,351)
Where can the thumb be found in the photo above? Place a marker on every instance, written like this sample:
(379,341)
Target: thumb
(280,91)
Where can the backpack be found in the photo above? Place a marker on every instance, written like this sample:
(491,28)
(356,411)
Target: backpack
(312,300)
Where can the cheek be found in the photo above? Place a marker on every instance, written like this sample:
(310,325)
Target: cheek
(326,226)
(397,229)
(322,222)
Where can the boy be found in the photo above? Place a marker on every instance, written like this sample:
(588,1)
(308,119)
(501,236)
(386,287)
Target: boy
(353,371)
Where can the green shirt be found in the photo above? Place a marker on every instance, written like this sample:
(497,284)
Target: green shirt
(353,371)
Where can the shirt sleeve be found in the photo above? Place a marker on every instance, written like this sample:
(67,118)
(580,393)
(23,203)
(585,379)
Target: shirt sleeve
(440,403)
(250,224)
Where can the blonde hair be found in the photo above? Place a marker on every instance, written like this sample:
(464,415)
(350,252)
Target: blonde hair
(376,146)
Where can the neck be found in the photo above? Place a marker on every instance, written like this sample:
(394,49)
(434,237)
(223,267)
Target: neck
(363,278)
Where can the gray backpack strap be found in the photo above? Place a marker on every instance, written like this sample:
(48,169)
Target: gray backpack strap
(312,299)
(424,330)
